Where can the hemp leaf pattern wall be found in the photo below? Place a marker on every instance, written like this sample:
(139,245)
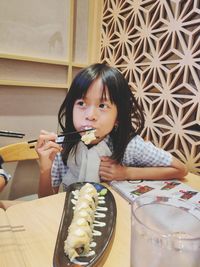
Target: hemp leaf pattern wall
(156,45)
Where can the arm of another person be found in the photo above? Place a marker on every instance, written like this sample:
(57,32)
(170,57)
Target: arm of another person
(2,183)
(111,170)
(47,150)
(4,178)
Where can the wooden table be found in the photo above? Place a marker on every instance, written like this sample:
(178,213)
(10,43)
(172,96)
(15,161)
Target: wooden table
(31,240)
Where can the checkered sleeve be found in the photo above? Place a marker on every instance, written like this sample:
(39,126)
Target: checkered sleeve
(140,153)
(58,170)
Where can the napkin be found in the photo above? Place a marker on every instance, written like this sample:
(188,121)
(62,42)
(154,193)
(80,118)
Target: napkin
(84,163)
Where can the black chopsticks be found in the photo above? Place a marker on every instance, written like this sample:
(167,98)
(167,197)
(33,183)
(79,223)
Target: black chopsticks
(11,134)
(82,131)
(64,134)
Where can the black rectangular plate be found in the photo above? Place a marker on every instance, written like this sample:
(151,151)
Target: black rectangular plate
(102,241)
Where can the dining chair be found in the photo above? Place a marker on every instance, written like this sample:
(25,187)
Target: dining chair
(25,177)
(17,152)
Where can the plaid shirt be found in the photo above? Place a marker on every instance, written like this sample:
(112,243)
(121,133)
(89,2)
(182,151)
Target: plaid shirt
(137,154)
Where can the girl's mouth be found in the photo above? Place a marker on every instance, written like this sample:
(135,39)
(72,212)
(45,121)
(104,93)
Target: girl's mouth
(87,129)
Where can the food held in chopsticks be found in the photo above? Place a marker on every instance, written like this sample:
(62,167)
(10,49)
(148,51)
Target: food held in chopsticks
(88,137)
(81,229)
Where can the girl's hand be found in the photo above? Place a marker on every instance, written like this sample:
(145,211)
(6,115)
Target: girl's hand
(111,170)
(47,149)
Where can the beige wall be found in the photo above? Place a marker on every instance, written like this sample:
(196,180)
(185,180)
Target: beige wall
(27,110)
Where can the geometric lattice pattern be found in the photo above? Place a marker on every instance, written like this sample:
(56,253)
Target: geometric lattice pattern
(156,45)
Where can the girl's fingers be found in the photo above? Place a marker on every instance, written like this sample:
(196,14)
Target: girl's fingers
(104,158)
(48,150)
(105,169)
(105,164)
(42,132)
(45,137)
(106,161)
(52,153)
(48,154)
(51,144)
(105,174)
(103,178)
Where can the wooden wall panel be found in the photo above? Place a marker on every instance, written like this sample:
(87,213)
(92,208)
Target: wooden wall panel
(156,45)
(33,73)
(35,28)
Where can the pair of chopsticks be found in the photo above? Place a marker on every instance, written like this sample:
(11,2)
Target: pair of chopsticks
(11,134)
(63,134)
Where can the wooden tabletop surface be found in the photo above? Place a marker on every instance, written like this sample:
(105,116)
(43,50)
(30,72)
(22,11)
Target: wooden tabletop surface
(28,231)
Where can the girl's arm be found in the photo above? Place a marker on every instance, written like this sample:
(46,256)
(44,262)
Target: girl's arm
(111,170)
(177,170)
(45,188)
(47,150)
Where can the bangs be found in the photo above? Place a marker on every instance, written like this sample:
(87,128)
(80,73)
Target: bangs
(110,88)
(81,87)
(82,82)
(106,95)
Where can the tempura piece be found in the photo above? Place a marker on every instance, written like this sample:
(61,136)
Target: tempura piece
(89,190)
(77,243)
(88,137)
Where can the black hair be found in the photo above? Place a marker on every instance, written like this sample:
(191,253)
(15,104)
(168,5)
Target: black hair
(130,117)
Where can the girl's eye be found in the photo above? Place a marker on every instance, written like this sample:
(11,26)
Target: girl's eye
(103,106)
(80,103)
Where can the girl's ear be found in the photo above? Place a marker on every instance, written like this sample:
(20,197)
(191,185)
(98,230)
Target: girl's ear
(116,126)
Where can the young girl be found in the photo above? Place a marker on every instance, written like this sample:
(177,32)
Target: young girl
(100,98)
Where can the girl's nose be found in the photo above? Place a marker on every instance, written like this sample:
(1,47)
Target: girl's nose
(91,113)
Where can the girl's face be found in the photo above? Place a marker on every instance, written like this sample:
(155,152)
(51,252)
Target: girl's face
(95,111)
